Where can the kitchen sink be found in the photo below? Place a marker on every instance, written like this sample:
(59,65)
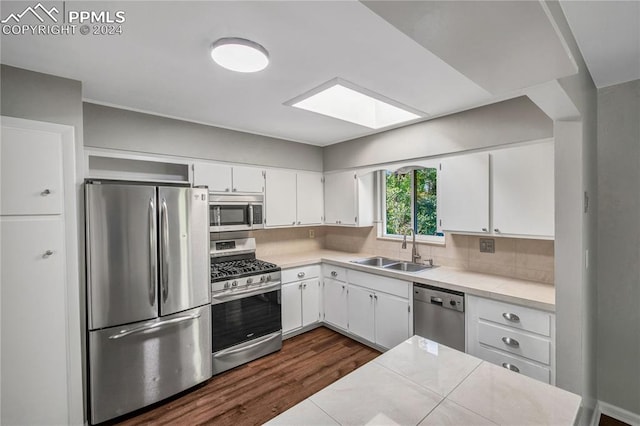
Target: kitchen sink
(408,267)
(381,262)
(393,264)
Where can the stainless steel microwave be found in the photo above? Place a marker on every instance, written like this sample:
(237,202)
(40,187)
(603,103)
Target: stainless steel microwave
(235,212)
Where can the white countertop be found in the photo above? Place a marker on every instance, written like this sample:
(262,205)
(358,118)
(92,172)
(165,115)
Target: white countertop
(512,290)
(420,382)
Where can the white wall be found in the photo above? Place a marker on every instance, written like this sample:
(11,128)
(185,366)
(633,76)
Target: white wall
(619,246)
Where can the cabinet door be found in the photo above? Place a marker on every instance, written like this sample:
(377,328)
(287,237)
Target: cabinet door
(280,200)
(340,198)
(463,186)
(310,301)
(30,172)
(248,179)
(310,198)
(34,321)
(392,320)
(216,176)
(523,190)
(291,307)
(335,303)
(361,313)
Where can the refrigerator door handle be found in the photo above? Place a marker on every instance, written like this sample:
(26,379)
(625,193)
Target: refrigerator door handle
(164,241)
(153,283)
(154,326)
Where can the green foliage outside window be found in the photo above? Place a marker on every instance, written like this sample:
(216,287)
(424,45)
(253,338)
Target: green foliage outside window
(400,195)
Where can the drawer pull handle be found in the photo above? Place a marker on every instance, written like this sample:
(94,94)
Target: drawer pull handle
(47,254)
(511,342)
(300,274)
(510,367)
(511,317)
(334,274)
(45,192)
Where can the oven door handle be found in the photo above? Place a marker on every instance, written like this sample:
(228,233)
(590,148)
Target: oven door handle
(226,297)
(257,342)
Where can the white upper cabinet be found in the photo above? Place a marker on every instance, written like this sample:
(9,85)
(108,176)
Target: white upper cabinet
(348,199)
(30,172)
(216,176)
(310,198)
(523,190)
(247,179)
(224,178)
(463,186)
(280,198)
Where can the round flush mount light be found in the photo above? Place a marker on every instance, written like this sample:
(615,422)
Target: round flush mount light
(239,54)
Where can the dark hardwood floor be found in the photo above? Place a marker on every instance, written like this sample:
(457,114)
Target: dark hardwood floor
(610,421)
(260,390)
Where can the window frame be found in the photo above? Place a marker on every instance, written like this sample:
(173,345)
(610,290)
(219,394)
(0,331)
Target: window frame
(382,231)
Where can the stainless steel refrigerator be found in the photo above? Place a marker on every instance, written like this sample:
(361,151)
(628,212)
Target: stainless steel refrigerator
(148,297)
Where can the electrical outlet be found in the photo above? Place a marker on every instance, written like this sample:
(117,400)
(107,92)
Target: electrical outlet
(312,233)
(487,245)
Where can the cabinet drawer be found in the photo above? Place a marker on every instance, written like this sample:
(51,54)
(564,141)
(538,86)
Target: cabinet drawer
(334,272)
(380,283)
(535,348)
(300,273)
(515,316)
(517,364)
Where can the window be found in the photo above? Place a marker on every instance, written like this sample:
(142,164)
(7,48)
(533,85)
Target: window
(411,203)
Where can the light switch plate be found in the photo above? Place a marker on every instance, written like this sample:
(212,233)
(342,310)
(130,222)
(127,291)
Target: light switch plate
(487,245)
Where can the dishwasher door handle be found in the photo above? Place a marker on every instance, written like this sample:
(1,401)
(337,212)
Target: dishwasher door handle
(436,300)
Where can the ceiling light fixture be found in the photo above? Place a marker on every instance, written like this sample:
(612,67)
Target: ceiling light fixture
(346,101)
(239,54)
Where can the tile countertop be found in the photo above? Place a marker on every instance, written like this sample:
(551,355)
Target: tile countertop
(511,290)
(420,382)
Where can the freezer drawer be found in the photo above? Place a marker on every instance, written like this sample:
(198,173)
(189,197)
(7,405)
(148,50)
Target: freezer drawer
(139,364)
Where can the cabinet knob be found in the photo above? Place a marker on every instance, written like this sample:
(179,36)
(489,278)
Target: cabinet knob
(334,274)
(47,254)
(235,189)
(45,192)
(484,229)
(299,286)
(511,367)
(226,190)
(496,230)
(371,296)
(301,274)
(511,342)
(343,287)
(299,222)
(375,296)
(511,317)
(293,223)
(304,286)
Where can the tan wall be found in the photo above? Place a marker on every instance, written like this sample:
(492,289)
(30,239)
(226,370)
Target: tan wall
(288,240)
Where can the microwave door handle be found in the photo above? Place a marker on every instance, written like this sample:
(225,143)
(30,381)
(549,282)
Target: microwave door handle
(250,216)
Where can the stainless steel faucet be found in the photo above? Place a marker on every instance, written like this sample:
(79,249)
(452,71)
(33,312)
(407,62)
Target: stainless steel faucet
(415,256)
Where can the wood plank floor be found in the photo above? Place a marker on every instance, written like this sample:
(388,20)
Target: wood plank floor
(262,389)
(610,421)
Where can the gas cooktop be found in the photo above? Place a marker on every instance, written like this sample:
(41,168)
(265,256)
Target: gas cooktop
(240,268)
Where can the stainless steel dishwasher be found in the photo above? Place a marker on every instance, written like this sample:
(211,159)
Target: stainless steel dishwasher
(438,315)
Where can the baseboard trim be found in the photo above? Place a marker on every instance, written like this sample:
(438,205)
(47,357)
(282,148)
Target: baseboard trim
(616,413)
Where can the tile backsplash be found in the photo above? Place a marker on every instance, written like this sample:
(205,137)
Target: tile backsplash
(514,257)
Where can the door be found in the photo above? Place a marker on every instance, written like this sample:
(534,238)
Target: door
(280,200)
(217,177)
(361,313)
(523,190)
(184,249)
(340,198)
(247,179)
(291,306)
(310,301)
(34,321)
(463,186)
(121,254)
(335,303)
(310,198)
(143,363)
(30,172)
(392,320)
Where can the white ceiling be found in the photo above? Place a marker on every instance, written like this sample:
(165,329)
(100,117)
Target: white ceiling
(608,34)
(161,63)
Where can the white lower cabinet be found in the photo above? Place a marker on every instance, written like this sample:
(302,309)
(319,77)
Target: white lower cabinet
(301,297)
(515,337)
(335,303)
(362,313)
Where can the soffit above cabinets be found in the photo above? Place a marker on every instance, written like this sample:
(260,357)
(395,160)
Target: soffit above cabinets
(161,64)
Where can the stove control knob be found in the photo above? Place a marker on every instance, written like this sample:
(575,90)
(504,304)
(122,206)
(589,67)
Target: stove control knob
(249,280)
(226,285)
(234,284)
(268,277)
(263,278)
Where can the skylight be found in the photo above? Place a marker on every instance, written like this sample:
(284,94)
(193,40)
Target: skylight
(354,106)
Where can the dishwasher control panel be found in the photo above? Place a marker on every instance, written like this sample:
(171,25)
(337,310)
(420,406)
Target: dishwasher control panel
(444,298)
